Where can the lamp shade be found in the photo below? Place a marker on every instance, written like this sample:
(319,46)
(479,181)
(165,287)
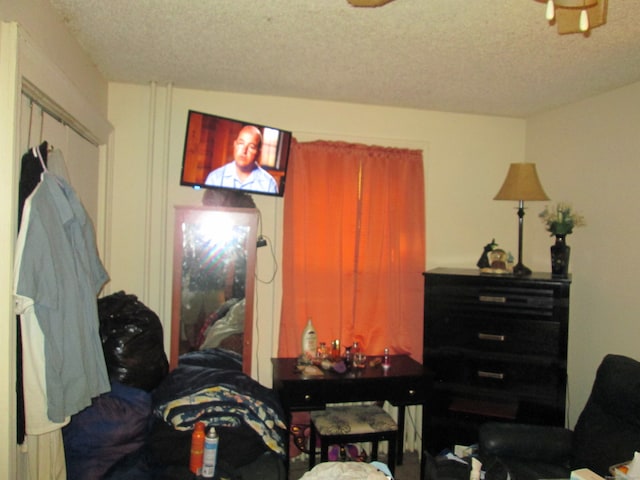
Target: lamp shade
(522,183)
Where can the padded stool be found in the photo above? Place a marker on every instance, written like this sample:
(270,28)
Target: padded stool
(351,424)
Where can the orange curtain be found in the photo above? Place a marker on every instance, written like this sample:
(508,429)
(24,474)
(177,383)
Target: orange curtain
(354,247)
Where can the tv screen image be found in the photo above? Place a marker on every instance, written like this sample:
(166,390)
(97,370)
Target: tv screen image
(229,154)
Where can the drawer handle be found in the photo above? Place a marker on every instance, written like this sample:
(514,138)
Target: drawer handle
(307,397)
(492,299)
(492,375)
(492,337)
(412,392)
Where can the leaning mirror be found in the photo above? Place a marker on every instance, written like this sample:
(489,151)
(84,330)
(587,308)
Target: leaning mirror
(213,281)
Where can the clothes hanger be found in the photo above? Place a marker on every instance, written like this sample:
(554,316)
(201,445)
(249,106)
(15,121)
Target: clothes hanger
(36,153)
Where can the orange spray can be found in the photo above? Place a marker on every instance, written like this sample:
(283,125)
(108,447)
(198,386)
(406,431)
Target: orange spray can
(197,448)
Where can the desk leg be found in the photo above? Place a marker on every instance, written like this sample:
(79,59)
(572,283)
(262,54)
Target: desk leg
(287,442)
(400,442)
(423,459)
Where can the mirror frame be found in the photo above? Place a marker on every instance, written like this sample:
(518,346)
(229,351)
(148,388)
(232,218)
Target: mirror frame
(205,214)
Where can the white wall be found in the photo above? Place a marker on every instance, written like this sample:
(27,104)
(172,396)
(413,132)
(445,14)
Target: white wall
(466,158)
(34,44)
(590,155)
(586,153)
(46,29)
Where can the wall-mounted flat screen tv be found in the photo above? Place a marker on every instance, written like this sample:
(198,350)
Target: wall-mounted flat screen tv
(225,153)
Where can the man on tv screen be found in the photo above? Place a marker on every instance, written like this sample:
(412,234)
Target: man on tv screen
(243,172)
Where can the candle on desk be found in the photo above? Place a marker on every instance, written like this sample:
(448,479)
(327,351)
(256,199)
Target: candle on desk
(386,359)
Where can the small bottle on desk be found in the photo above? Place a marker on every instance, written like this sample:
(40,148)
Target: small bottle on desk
(348,359)
(386,359)
(309,341)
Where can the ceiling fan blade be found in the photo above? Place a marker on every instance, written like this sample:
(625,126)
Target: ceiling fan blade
(368,3)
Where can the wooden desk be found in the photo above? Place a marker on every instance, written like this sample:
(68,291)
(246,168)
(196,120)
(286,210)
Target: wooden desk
(404,383)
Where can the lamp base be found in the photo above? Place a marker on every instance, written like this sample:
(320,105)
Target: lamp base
(520,270)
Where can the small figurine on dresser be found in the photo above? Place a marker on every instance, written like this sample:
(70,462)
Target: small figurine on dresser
(498,259)
(495,260)
(483,262)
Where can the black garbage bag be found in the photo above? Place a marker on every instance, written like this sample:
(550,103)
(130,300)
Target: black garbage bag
(132,341)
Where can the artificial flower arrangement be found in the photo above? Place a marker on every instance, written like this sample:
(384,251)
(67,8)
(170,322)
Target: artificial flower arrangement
(561,219)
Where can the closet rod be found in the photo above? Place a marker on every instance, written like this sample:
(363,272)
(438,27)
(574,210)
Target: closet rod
(54,110)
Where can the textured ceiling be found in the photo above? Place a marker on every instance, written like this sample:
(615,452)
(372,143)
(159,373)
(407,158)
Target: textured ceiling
(473,56)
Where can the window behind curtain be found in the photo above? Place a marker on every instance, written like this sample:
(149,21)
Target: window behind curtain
(354,247)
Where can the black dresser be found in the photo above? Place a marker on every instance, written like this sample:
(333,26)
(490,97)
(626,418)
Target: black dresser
(497,346)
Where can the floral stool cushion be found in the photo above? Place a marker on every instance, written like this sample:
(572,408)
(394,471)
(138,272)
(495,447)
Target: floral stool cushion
(354,423)
(352,420)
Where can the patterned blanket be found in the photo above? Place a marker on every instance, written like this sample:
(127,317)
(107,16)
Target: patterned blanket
(208,386)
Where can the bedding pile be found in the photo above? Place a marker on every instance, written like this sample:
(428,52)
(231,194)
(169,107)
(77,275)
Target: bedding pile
(141,429)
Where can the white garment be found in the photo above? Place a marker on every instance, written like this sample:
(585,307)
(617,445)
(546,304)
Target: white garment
(231,323)
(43,449)
(42,457)
(33,361)
(344,471)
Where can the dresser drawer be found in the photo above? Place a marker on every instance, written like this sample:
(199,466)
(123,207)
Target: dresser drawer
(476,296)
(495,334)
(522,379)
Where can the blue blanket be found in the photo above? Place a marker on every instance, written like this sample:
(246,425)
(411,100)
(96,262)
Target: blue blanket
(114,426)
(209,386)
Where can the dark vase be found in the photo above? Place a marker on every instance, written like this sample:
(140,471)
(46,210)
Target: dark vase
(560,252)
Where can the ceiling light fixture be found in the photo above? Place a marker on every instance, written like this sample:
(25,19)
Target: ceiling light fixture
(368,3)
(576,16)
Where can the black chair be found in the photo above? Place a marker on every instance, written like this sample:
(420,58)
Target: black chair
(607,431)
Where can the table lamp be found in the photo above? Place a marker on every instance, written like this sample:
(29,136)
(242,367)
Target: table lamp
(521,184)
